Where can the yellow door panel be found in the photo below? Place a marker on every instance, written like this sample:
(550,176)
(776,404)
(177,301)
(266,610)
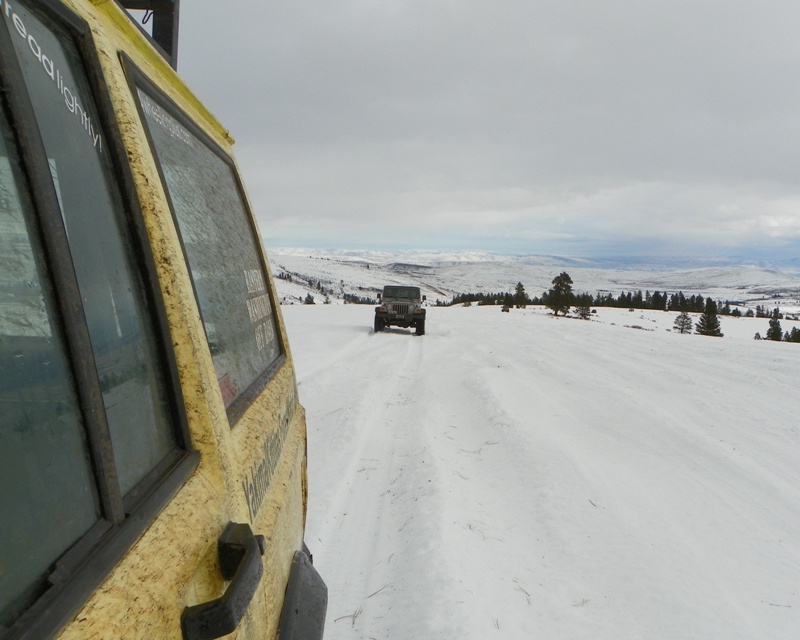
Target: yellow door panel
(138,321)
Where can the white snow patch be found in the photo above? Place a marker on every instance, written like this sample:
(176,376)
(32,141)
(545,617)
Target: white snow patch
(516,475)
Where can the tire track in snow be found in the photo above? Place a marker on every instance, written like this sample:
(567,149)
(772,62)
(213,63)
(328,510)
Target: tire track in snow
(378,480)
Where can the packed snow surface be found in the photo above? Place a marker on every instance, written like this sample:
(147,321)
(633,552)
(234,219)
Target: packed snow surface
(516,475)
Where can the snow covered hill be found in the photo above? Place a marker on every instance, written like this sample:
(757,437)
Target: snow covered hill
(332,274)
(516,475)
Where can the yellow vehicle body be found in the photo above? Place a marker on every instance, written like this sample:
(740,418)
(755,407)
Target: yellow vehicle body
(243,457)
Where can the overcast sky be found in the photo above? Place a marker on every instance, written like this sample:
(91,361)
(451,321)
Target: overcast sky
(594,128)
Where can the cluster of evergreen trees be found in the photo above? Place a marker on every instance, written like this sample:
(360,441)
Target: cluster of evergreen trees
(763,312)
(326,291)
(564,297)
(352,298)
(560,298)
(503,298)
(707,325)
(775,332)
(308,282)
(792,336)
(661,302)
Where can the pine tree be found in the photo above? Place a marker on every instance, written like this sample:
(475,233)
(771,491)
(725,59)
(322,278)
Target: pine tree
(683,323)
(583,306)
(708,324)
(520,298)
(559,297)
(775,332)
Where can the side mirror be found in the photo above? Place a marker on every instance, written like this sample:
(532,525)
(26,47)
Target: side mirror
(424,298)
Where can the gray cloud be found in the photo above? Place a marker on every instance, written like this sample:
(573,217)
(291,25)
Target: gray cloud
(508,125)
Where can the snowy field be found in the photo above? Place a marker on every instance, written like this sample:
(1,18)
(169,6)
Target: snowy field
(521,476)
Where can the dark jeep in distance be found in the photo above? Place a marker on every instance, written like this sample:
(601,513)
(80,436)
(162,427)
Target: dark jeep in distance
(400,307)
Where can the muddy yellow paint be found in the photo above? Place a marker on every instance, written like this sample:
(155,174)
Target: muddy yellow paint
(174,563)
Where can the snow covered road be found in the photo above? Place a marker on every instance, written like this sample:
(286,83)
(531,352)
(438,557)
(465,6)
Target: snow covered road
(521,476)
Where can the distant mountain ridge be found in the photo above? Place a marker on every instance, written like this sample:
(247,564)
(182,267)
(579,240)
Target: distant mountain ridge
(336,274)
(448,258)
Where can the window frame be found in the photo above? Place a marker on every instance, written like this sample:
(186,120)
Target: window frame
(137,79)
(78,572)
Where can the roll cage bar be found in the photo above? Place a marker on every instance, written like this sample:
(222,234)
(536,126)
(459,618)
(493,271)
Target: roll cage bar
(165,15)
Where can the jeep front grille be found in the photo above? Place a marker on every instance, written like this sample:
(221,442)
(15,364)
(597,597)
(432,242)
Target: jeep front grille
(399,308)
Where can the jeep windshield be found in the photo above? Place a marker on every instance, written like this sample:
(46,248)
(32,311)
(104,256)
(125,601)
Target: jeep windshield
(410,293)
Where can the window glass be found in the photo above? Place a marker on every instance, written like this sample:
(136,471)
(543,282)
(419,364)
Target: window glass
(412,293)
(116,311)
(221,249)
(47,494)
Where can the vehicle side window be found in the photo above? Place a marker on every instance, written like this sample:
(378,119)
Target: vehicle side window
(122,341)
(88,421)
(221,248)
(47,490)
